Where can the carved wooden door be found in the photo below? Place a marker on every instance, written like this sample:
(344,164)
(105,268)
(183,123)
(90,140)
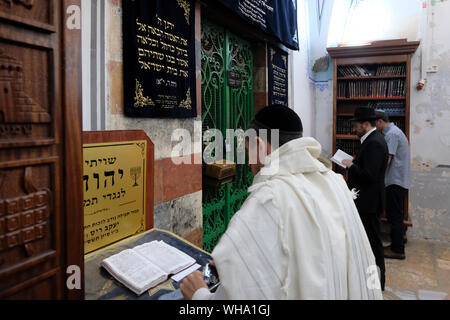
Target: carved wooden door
(40,148)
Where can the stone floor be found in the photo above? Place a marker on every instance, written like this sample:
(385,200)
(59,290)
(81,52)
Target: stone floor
(423,275)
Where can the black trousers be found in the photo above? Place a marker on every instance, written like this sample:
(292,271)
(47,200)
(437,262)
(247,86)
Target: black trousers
(371,223)
(395,197)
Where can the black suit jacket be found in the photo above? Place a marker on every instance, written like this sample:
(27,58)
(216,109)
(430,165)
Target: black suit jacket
(367,174)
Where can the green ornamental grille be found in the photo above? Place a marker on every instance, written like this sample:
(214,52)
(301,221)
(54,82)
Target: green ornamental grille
(224,108)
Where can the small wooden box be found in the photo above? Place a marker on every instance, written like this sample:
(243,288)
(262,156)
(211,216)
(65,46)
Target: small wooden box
(220,170)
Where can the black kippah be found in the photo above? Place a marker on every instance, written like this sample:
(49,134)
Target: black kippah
(279,117)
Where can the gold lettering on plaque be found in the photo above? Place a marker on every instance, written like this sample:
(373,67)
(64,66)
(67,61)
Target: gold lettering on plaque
(272,52)
(149,56)
(114,191)
(284,60)
(160,50)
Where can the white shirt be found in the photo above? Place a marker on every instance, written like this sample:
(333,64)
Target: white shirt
(298,235)
(364,137)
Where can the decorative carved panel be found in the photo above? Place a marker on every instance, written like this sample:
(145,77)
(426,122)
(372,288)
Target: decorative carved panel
(25,214)
(16,106)
(26,3)
(31,12)
(21,115)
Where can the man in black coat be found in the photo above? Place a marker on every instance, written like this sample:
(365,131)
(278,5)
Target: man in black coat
(366,174)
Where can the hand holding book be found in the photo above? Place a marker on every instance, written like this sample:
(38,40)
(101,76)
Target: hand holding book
(340,157)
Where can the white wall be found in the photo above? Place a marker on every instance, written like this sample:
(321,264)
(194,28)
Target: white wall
(93,64)
(431,107)
(430,129)
(321,81)
(373,20)
(302,93)
(86,62)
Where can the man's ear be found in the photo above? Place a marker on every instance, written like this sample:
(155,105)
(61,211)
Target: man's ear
(262,149)
(366,125)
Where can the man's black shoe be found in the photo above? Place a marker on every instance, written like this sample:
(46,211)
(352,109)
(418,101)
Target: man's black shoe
(388,253)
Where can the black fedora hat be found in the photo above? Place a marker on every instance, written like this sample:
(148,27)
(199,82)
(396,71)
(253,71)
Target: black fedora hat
(364,114)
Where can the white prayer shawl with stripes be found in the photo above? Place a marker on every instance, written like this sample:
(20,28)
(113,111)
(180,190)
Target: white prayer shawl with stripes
(298,235)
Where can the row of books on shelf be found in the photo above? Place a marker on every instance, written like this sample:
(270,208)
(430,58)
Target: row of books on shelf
(371,89)
(348,146)
(388,111)
(391,70)
(390,107)
(344,126)
(393,111)
(387,104)
(384,70)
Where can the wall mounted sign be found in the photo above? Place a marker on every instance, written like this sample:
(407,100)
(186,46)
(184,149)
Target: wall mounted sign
(275,17)
(159,58)
(114,192)
(118,185)
(234,79)
(278,76)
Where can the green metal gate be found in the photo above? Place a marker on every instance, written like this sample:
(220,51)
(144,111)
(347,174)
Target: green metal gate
(224,108)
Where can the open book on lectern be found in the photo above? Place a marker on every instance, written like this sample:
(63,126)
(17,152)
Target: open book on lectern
(147,265)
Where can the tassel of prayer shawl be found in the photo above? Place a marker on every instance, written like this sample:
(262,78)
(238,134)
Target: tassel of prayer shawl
(355,193)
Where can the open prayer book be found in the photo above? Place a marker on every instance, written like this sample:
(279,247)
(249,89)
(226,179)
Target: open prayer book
(339,156)
(147,265)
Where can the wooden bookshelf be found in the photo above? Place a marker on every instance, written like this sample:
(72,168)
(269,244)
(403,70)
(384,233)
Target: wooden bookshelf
(376,75)
(347,136)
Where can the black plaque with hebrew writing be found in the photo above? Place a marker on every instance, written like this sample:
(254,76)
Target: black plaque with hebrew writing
(159,58)
(275,17)
(277,76)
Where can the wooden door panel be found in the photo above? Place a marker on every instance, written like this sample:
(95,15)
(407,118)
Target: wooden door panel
(29,180)
(42,286)
(35,221)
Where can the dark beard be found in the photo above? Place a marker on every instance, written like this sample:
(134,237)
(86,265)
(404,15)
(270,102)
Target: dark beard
(360,135)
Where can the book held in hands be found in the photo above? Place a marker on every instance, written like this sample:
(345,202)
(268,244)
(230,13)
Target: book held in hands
(339,156)
(147,265)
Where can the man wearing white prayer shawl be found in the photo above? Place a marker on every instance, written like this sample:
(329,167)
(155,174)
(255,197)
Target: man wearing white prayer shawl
(298,235)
